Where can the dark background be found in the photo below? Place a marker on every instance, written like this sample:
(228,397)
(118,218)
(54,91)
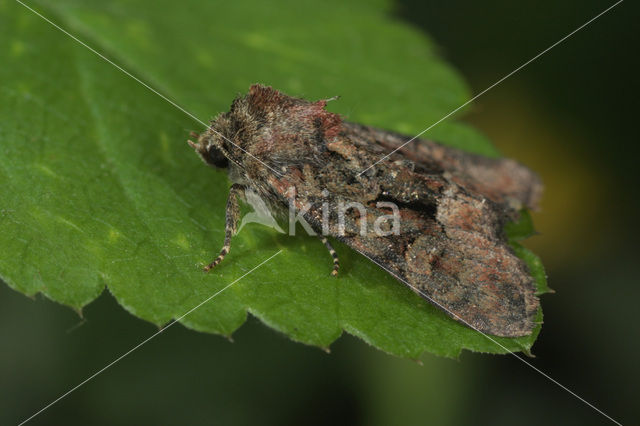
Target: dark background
(571,116)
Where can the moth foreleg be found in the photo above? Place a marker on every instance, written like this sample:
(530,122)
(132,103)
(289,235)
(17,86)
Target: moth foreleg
(334,255)
(231,222)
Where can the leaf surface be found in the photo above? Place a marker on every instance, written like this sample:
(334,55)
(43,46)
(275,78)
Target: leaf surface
(99,188)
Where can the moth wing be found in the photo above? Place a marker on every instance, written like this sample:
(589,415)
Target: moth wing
(453,255)
(451,207)
(458,261)
(502,180)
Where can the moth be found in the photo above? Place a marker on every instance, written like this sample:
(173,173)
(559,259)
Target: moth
(451,206)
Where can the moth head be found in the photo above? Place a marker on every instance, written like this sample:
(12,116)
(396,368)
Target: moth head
(211,148)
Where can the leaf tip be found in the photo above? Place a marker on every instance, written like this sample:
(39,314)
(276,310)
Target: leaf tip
(79,311)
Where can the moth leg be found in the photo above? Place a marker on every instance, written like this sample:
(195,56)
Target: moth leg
(334,255)
(231,222)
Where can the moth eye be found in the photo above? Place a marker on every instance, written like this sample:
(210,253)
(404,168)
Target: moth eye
(217,158)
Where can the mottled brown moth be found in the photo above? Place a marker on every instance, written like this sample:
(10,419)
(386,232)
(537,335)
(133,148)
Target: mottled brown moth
(450,205)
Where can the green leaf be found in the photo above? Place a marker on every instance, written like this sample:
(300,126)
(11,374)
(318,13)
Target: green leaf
(520,229)
(99,188)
